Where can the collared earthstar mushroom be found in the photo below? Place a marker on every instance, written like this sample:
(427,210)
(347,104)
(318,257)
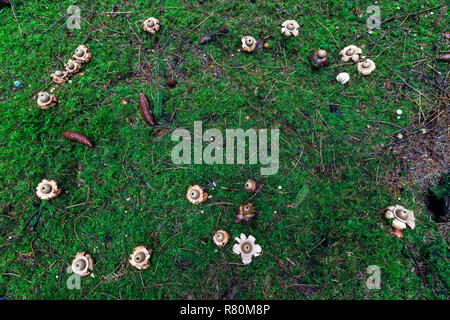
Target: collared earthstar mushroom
(221,238)
(59,77)
(83,264)
(247,248)
(72,66)
(251,185)
(46,100)
(140,258)
(402,217)
(48,189)
(366,67)
(196,194)
(350,52)
(319,58)
(248,43)
(82,54)
(151,25)
(290,28)
(343,77)
(245,212)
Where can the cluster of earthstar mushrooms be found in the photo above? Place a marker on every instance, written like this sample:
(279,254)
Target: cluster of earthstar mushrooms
(244,246)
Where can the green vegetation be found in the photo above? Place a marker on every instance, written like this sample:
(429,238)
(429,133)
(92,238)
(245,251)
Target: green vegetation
(319,232)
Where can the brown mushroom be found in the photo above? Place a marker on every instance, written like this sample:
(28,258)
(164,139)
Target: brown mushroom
(48,189)
(46,100)
(248,44)
(140,258)
(83,264)
(72,66)
(221,238)
(251,186)
(196,194)
(245,212)
(151,25)
(60,77)
(82,54)
(318,59)
(366,67)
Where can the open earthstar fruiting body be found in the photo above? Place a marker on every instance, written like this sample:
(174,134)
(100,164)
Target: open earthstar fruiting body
(251,185)
(221,238)
(60,77)
(246,248)
(72,66)
(83,264)
(151,25)
(140,258)
(46,100)
(82,54)
(366,67)
(48,189)
(290,28)
(401,217)
(248,43)
(245,212)
(350,52)
(318,59)
(196,194)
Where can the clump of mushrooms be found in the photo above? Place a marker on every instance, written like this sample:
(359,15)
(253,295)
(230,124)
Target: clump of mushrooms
(46,100)
(151,25)
(82,54)
(318,59)
(48,189)
(140,258)
(401,217)
(246,248)
(245,212)
(60,77)
(72,66)
(248,43)
(350,52)
(83,264)
(196,194)
(290,28)
(251,185)
(343,77)
(221,238)
(366,67)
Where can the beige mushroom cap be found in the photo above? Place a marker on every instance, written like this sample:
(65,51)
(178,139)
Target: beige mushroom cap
(290,28)
(248,43)
(59,77)
(366,67)
(343,77)
(350,52)
(46,100)
(196,194)
(250,185)
(47,189)
(140,258)
(221,238)
(401,217)
(72,66)
(83,264)
(82,54)
(151,25)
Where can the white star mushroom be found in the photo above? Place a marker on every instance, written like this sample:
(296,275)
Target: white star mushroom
(140,258)
(151,25)
(350,52)
(46,100)
(82,54)
(343,77)
(366,67)
(83,264)
(290,28)
(47,189)
(402,217)
(247,248)
(248,43)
